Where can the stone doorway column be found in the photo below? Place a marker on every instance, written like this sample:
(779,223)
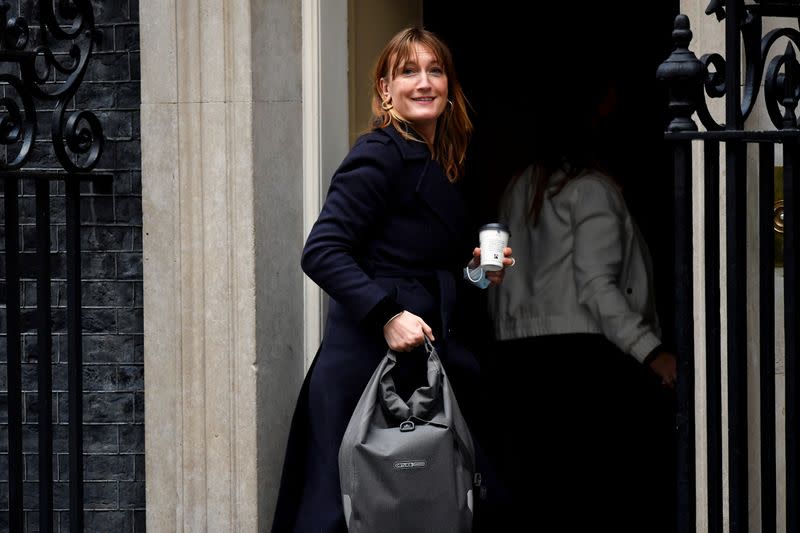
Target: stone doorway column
(223,294)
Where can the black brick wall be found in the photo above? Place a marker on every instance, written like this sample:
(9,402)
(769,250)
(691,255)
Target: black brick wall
(111,261)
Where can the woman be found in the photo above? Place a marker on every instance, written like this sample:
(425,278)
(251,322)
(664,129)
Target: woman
(580,345)
(388,248)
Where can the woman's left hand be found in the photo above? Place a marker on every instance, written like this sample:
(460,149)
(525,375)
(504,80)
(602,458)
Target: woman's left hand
(495,277)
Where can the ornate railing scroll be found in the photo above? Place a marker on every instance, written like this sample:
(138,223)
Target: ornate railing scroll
(77,136)
(33,75)
(768,59)
(781,80)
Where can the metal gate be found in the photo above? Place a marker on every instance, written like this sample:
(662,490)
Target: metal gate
(39,81)
(691,82)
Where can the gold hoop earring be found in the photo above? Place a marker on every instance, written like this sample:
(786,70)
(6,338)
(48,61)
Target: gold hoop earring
(386,105)
(451,104)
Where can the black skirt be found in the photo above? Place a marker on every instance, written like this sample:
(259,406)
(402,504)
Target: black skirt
(584,435)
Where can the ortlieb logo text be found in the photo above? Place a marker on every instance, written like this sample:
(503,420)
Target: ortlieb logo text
(406,465)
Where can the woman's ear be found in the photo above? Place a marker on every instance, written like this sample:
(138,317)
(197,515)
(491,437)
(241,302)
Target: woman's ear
(384,86)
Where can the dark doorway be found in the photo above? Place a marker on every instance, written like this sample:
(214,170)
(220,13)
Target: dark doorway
(512,57)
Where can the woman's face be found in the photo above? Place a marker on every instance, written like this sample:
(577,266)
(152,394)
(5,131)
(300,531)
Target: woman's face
(418,91)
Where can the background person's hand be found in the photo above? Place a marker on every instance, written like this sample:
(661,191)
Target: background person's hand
(666,367)
(495,277)
(406,331)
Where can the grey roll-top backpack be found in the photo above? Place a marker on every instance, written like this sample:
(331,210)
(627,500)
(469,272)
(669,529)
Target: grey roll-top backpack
(407,467)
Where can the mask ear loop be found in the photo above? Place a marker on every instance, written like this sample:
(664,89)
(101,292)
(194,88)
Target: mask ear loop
(469,274)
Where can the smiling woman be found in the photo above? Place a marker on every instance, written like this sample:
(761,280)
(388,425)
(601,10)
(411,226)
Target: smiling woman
(388,247)
(417,91)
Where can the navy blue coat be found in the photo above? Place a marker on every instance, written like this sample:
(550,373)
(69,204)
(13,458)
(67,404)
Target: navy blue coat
(392,225)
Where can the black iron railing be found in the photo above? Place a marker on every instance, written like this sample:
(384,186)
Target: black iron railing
(33,74)
(691,81)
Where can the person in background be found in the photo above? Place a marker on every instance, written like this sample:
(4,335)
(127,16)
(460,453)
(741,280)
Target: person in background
(579,353)
(389,248)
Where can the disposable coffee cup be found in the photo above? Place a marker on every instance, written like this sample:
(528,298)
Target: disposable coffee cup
(493,239)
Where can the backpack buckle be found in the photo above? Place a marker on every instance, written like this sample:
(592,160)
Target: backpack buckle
(407,425)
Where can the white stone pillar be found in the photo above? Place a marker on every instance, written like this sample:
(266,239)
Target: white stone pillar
(222,205)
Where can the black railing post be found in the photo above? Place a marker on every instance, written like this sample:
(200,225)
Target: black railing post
(766,299)
(74,355)
(736,273)
(44,349)
(713,338)
(14,361)
(683,73)
(684,336)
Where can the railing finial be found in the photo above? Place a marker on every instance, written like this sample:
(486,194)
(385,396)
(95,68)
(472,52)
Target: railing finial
(683,73)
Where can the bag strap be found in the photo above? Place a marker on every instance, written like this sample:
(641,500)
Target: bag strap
(423,400)
(422,405)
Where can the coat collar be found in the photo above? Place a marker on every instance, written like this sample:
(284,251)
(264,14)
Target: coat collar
(408,149)
(433,188)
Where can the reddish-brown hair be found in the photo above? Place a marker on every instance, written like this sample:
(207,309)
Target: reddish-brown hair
(454,127)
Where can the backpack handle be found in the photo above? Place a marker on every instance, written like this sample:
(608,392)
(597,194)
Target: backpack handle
(423,400)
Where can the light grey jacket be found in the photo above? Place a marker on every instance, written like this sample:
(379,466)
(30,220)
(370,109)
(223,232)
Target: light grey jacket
(583,268)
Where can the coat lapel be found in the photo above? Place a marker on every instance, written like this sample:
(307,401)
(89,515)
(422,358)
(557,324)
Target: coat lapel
(440,196)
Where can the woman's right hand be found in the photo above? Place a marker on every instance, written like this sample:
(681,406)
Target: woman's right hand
(406,331)
(495,277)
(666,367)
